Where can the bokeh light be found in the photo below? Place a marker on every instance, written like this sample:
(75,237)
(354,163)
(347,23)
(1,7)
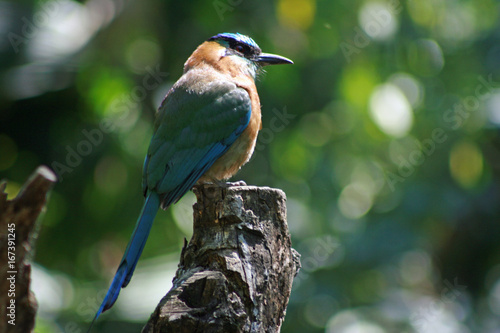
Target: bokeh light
(297,13)
(466,163)
(425,57)
(493,109)
(143,53)
(391,111)
(379,20)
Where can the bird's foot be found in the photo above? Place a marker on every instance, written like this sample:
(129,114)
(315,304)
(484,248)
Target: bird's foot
(224,184)
(238,183)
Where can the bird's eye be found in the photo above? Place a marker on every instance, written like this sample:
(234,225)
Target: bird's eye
(240,48)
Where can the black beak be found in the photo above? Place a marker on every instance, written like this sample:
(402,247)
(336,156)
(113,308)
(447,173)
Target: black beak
(265,59)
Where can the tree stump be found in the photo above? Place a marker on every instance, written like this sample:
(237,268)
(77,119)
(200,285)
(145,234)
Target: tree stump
(236,273)
(17,236)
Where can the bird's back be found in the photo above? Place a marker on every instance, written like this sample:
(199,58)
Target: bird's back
(202,125)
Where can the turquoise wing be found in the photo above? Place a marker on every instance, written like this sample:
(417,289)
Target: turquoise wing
(193,129)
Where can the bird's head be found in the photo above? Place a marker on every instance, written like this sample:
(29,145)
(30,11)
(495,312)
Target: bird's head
(234,53)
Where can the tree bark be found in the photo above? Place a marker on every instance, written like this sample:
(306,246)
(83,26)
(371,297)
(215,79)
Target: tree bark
(18,217)
(236,273)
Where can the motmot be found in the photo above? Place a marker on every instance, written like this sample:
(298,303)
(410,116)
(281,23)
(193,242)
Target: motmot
(205,130)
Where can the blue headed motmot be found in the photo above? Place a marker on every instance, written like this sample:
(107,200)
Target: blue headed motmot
(205,131)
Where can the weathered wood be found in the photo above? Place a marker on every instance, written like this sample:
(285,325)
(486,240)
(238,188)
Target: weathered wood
(18,217)
(236,273)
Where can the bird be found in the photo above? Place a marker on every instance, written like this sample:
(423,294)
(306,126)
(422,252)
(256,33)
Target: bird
(205,130)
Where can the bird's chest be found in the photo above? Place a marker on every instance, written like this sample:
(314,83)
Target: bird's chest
(239,153)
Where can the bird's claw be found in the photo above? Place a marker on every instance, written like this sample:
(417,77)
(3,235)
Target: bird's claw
(224,184)
(238,183)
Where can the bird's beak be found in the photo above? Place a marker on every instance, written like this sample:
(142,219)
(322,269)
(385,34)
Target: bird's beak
(265,59)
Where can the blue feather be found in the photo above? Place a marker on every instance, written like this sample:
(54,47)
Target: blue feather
(132,253)
(141,232)
(216,150)
(235,36)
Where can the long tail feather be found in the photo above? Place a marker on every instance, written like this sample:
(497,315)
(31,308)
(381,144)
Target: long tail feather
(132,253)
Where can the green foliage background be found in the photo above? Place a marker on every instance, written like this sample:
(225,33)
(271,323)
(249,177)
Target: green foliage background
(383,134)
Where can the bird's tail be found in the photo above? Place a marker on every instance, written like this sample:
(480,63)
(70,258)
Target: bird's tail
(132,253)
